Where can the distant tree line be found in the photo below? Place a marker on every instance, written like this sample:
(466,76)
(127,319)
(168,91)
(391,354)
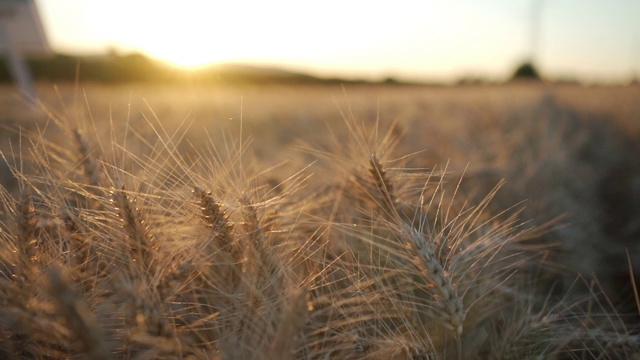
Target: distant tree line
(108,69)
(117,68)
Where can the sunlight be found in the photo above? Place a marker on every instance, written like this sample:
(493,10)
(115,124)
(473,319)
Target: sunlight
(192,38)
(196,33)
(408,38)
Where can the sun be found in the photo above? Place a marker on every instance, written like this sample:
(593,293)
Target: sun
(185,56)
(193,34)
(189,34)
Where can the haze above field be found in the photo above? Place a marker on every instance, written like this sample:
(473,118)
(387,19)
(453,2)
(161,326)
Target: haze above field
(409,40)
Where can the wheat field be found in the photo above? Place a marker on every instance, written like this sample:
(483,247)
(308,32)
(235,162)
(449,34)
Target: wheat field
(320,222)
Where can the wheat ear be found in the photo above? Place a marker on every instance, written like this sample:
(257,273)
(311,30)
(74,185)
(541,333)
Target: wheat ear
(140,242)
(383,183)
(293,319)
(83,256)
(258,260)
(26,221)
(147,328)
(215,217)
(92,167)
(217,273)
(441,285)
(77,316)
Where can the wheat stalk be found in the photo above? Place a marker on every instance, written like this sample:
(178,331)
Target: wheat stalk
(220,263)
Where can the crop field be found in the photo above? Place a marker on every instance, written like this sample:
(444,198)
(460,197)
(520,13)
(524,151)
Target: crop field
(320,222)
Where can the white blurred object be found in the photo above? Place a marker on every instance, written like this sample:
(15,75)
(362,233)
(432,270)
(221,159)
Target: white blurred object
(21,33)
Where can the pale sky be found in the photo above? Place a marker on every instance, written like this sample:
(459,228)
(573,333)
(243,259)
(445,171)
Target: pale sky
(410,40)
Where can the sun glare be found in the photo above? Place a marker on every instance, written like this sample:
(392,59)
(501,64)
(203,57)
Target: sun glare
(191,36)
(196,33)
(363,39)
(187,34)
(183,56)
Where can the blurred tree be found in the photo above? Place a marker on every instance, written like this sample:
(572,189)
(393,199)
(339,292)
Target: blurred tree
(526,71)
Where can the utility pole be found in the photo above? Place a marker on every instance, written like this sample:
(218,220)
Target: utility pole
(536,17)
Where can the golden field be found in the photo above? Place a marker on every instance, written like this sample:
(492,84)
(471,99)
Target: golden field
(320,221)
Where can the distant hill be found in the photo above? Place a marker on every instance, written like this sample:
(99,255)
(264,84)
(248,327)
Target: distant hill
(115,68)
(250,73)
(123,68)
